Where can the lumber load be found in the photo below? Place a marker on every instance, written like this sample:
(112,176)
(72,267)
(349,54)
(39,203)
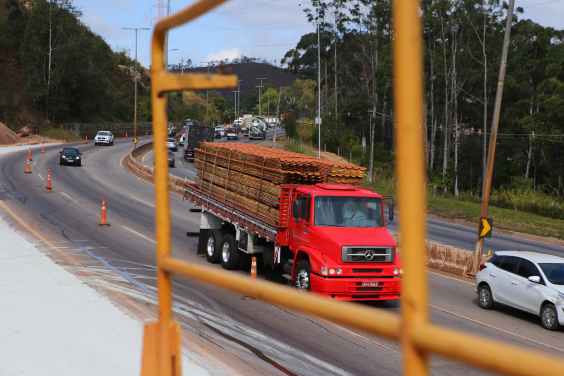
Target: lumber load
(248,176)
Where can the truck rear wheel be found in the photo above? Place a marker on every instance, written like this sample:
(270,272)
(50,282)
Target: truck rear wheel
(303,273)
(230,255)
(213,246)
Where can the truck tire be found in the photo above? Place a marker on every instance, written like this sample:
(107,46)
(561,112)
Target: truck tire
(303,276)
(230,255)
(213,246)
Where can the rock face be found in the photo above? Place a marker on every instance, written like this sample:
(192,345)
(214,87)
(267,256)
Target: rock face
(7,136)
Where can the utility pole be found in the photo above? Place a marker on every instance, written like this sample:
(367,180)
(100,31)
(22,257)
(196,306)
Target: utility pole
(318,86)
(493,138)
(207,95)
(276,121)
(260,87)
(166,38)
(239,98)
(268,105)
(235,105)
(372,130)
(135,115)
(182,66)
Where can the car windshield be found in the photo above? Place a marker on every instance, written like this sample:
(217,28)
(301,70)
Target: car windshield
(103,133)
(554,272)
(348,211)
(170,140)
(70,151)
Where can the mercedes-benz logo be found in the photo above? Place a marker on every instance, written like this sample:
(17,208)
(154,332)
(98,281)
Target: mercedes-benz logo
(369,255)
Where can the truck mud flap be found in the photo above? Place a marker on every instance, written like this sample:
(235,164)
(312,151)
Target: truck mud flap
(202,242)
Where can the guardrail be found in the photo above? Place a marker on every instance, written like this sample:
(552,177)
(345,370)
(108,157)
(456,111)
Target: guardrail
(419,338)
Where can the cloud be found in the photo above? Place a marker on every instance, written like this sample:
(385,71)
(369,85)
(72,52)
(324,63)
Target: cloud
(223,54)
(103,27)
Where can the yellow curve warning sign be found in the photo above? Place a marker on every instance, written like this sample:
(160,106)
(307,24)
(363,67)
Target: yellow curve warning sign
(486,225)
(134,140)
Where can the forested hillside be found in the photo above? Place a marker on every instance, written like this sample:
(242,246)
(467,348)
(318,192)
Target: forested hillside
(462,49)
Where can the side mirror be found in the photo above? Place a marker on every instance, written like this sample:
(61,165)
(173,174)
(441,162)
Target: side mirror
(61,152)
(296,210)
(391,211)
(534,278)
(80,153)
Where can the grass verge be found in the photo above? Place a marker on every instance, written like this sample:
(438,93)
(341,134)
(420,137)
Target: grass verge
(507,219)
(58,134)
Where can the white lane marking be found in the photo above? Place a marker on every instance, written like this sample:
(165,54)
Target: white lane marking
(138,234)
(41,176)
(456,279)
(69,197)
(495,328)
(146,203)
(100,180)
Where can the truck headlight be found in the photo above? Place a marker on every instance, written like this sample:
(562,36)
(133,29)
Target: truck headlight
(324,270)
(339,271)
(396,271)
(331,271)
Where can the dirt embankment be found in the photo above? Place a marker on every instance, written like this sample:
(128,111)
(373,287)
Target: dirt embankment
(9,137)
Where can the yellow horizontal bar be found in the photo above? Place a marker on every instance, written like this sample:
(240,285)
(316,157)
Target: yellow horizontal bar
(163,81)
(354,315)
(485,353)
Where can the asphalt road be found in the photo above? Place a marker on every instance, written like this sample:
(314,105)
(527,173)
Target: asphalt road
(248,336)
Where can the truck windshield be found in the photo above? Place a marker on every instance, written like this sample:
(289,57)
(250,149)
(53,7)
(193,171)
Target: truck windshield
(348,211)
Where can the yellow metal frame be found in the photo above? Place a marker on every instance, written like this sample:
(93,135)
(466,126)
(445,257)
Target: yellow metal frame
(419,338)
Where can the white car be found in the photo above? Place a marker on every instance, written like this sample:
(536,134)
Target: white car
(221,130)
(529,281)
(232,133)
(104,137)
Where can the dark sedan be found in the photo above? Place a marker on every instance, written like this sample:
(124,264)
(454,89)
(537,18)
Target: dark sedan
(217,134)
(70,156)
(171,159)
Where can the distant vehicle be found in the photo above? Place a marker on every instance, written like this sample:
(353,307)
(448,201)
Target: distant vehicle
(257,130)
(188,122)
(171,159)
(181,139)
(171,144)
(171,130)
(232,133)
(238,123)
(221,129)
(195,135)
(70,156)
(529,281)
(217,134)
(104,137)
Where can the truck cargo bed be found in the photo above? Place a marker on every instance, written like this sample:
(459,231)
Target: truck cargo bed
(239,217)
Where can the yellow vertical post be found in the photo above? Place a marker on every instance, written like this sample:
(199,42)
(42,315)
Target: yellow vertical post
(408,91)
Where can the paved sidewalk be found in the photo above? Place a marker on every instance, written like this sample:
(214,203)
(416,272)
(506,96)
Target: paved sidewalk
(51,323)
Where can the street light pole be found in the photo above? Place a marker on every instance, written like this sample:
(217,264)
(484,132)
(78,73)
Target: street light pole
(318,87)
(207,95)
(260,87)
(239,98)
(135,115)
(235,104)
(493,138)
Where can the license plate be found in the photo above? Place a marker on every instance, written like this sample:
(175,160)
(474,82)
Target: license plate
(369,284)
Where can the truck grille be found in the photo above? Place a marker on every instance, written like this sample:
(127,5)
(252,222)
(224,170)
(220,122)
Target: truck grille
(368,289)
(367,254)
(365,296)
(367,270)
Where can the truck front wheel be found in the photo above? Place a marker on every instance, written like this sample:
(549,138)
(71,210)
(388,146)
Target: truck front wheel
(213,246)
(303,273)
(230,255)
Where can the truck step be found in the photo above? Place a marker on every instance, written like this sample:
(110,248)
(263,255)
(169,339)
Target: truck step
(287,276)
(195,210)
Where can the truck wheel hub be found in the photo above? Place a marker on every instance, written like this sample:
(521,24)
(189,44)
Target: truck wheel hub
(302,282)
(211,246)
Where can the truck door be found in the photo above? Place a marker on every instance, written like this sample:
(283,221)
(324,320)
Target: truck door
(302,222)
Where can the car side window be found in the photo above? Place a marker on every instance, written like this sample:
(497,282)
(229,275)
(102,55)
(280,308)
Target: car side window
(493,259)
(498,261)
(510,264)
(304,205)
(527,269)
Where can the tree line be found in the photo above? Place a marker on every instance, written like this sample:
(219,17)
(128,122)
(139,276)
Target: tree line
(462,42)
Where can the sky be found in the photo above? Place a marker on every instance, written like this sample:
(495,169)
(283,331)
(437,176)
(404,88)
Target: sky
(254,28)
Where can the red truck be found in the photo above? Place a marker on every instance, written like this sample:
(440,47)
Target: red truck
(330,239)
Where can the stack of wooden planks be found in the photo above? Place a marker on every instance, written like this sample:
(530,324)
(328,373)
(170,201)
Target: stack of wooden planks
(249,176)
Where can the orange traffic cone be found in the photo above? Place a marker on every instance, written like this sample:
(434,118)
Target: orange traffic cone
(254,268)
(49,189)
(29,155)
(42,147)
(103,221)
(27,170)
(147,134)
(126,136)
(86,139)
(64,143)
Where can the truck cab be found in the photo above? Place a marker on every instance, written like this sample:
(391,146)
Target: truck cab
(341,246)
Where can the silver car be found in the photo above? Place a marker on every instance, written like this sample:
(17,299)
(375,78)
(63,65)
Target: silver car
(529,281)
(171,144)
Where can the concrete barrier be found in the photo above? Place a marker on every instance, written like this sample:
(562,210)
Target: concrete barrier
(133,163)
(445,257)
